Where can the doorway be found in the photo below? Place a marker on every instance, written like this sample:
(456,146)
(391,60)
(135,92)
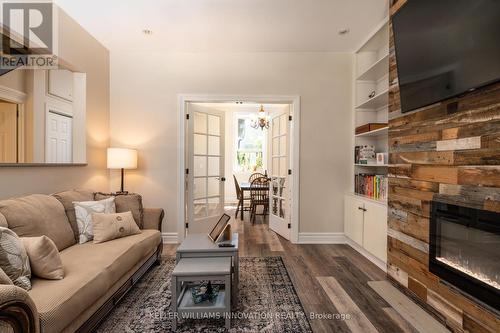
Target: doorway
(223,141)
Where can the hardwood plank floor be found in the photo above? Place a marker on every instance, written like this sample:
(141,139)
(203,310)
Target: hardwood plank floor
(329,280)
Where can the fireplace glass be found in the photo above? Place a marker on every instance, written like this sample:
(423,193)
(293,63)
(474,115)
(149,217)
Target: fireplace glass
(465,250)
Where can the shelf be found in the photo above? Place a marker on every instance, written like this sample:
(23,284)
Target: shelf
(377,70)
(371,165)
(364,197)
(187,304)
(378,101)
(378,132)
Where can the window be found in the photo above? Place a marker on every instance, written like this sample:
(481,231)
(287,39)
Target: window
(250,146)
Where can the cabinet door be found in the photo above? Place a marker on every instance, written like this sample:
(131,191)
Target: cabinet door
(353,219)
(375,230)
(61,84)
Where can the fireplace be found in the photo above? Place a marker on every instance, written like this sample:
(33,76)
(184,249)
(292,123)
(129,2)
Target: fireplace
(465,250)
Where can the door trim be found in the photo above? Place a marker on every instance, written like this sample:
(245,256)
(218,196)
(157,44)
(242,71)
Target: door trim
(294,101)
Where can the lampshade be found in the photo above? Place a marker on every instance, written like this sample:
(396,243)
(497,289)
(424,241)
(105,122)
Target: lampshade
(122,158)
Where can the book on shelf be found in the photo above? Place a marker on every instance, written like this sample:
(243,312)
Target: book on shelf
(371,185)
(364,154)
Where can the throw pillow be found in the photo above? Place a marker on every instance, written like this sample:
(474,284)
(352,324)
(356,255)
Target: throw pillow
(4,279)
(13,259)
(84,210)
(112,226)
(129,202)
(44,257)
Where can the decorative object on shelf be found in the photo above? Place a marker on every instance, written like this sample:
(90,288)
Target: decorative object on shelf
(369,127)
(122,158)
(366,154)
(262,120)
(372,94)
(381,158)
(205,292)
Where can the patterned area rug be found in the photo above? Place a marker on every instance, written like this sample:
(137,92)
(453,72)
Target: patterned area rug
(267,303)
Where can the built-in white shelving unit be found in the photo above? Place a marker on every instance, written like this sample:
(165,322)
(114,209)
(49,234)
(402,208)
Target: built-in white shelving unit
(365,221)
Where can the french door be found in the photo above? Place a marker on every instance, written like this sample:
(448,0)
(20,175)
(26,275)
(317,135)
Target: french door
(205,177)
(279,159)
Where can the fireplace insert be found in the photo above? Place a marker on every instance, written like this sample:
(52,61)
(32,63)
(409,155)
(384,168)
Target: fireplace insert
(465,250)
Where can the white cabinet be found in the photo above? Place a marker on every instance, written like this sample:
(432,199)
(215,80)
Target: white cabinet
(353,220)
(61,84)
(375,230)
(365,223)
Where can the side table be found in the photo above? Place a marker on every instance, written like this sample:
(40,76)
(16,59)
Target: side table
(190,270)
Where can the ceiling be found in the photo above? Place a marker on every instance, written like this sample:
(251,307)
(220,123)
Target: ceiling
(229,25)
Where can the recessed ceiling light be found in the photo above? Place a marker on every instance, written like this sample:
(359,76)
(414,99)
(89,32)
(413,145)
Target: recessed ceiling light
(147,32)
(344,31)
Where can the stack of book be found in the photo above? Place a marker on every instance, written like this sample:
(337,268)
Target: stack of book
(373,186)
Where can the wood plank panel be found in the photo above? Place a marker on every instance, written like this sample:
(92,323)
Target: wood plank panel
(341,300)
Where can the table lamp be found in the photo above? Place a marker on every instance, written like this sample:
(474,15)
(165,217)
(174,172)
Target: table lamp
(122,158)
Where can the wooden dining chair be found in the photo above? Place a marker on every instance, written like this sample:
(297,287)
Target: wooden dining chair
(259,196)
(254,176)
(240,195)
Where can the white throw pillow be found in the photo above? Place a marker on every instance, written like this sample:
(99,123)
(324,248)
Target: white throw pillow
(83,212)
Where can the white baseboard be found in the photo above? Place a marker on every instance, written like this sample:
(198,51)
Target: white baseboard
(379,263)
(322,238)
(170,238)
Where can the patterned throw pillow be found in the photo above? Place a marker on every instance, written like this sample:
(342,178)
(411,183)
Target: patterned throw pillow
(84,210)
(13,259)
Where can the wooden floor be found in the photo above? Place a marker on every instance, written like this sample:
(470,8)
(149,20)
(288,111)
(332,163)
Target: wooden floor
(335,279)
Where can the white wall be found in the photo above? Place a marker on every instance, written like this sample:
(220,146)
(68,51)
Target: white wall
(144,89)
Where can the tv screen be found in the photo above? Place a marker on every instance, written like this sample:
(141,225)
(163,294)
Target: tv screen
(445,48)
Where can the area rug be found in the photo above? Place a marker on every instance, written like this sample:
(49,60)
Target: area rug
(267,302)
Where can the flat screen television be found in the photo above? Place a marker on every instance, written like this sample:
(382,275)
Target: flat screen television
(445,48)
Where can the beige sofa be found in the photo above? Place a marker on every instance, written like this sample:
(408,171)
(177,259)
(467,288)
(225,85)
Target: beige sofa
(96,275)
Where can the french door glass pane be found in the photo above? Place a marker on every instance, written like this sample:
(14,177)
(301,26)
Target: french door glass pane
(276,127)
(213,166)
(214,206)
(213,125)
(200,166)
(283,145)
(200,188)
(200,208)
(276,146)
(283,169)
(213,145)
(283,127)
(200,123)
(276,165)
(200,144)
(213,187)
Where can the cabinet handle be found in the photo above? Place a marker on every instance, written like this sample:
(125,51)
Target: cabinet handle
(363,209)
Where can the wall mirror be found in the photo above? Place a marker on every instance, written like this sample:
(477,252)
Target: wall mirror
(42,117)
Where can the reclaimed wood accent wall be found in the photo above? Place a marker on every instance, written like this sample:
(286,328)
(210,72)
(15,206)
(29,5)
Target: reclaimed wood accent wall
(448,151)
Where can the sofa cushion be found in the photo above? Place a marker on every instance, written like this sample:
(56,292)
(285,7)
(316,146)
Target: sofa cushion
(112,226)
(4,279)
(13,259)
(36,215)
(84,210)
(67,198)
(45,261)
(130,202)
(90,270)
(3,221)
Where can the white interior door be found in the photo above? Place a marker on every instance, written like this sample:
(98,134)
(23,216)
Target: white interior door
(205,185)
(279,159)
(8,133)
(59,138)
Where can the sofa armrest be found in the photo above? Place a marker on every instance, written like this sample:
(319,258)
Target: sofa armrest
(17,310)
(153,218)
